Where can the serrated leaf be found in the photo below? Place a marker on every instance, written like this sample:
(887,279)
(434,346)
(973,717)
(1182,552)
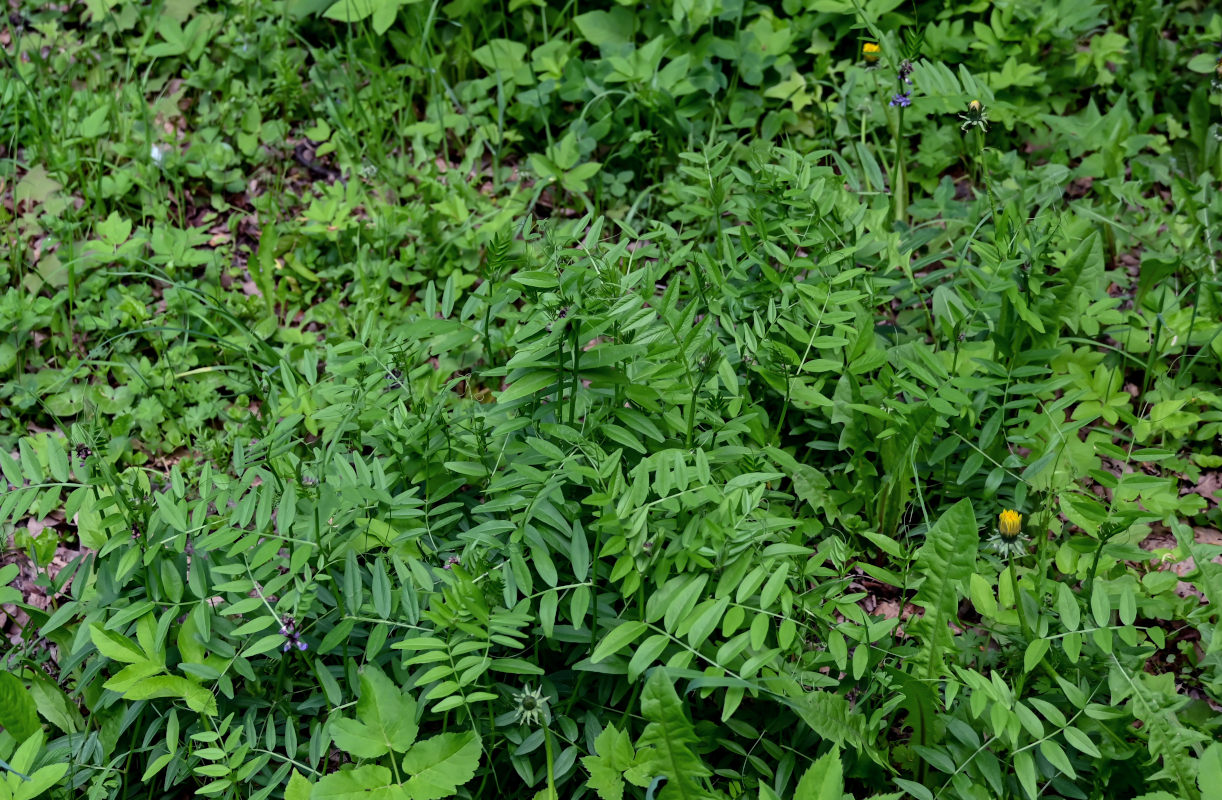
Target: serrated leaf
(387,719)
(370,782)
(667,745)
(613,755)
(824,780)
(298,788)
(830,716)
(946,559)
(441,764)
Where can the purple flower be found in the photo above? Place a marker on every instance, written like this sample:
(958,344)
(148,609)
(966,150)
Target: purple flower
(289,631)
(901,100)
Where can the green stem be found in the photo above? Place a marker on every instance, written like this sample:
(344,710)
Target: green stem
(551,768)
(576,344)
(776,435)
(1018,602)
(900,189)
(691,414)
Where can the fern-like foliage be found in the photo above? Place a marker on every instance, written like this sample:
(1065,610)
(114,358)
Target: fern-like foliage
(1078,283)
(1154,701)
(499,254)
(665,746)
(946,560)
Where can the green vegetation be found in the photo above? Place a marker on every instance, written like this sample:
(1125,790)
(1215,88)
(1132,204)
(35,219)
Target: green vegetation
(625,400)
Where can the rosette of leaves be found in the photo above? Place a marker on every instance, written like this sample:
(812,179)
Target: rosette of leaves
(393,765)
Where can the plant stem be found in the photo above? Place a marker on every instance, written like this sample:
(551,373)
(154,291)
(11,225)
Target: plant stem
(1018,602)
(691,414)
(900,190)
(551,765)
(576,345)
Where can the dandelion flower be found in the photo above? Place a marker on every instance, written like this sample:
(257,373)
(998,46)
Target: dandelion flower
(1008,540)
(532,706)
(975,116)
(871,51)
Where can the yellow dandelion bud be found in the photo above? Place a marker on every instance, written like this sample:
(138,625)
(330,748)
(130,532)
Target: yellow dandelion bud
(871,50)
(975,116)
(1010,523)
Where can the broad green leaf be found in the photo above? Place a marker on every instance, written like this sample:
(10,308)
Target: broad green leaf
(605,28)
(1209,775)
(298,788)
(1056,756)
(18,713)
(441,764)
(645,654)
(1068,608)
(506,58)
(41,780)
(354,10)
(527,385)
(982,596)
(613,755)
(115,647)
(54,706)
(387,719)
(619,638)
(197,698)
(368,782)
(823,780)
(1100,604)
(1035,651)
(1024,767)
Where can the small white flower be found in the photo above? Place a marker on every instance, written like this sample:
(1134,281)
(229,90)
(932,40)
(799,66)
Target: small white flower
(157,154)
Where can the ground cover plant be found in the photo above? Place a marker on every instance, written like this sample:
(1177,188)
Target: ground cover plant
(707,399)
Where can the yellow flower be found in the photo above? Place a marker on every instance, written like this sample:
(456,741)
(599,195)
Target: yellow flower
(975,116)
(871,50)
(1010,523)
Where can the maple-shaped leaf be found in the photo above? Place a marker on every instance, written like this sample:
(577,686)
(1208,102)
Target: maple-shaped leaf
(386,719)
(614,754)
